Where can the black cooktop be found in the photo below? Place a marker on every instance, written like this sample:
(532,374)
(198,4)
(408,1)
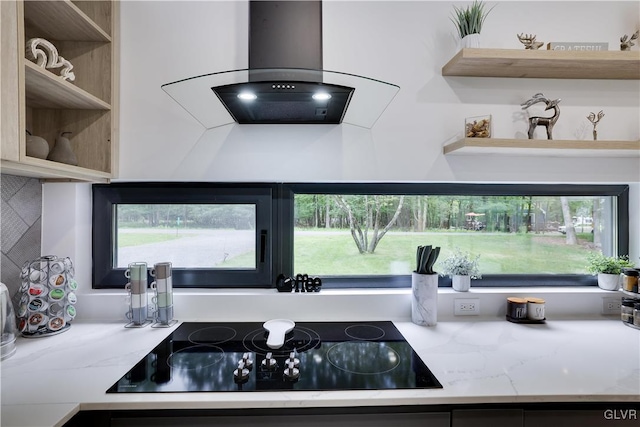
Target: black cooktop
(205,357)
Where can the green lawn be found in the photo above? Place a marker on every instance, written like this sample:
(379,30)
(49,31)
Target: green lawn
(336,254)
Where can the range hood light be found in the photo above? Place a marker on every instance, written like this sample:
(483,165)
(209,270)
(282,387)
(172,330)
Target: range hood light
(321,96)
(247,96)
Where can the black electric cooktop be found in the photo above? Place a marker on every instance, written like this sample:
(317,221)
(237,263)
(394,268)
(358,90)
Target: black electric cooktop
(211,357)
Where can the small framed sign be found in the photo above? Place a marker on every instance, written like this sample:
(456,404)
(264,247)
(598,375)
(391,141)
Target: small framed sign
(576,46)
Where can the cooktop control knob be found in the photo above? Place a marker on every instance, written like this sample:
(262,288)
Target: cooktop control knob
(241,374)
(291,373)
(248,363)
(292,359)
(269,363)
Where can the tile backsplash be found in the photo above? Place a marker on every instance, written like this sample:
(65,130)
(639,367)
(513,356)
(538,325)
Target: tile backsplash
(21,216)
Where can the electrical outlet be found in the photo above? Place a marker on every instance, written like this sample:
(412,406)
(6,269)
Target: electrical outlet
(611,305)
(466,307)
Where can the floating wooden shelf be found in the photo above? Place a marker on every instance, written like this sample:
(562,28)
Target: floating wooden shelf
(63,20)
(545,64)
(46,90)
(543,147)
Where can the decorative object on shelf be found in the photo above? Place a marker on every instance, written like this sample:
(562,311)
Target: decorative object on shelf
(47,302)
(37,146)
(301,283)
(468,22)
(45,55)
(163,298)
(582,47)
(626,42)
(424,287)
(478,127)
(608,269)
(529,41)
(461,267)
(62,151)
(137,288)
(547,122)
(594,120)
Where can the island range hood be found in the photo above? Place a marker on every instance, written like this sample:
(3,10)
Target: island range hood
(285,82)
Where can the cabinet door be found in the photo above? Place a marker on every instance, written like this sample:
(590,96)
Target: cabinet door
(583,418)
(487,418)
(438,419)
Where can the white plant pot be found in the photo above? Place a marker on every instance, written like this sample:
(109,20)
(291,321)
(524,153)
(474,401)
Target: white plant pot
(461,283)
(424,299)
(470,40)
(609,282)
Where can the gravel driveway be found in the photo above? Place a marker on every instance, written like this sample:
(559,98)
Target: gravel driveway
(196,248)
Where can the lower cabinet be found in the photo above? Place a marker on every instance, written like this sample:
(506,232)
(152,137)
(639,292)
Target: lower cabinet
(479,415)
(608,416)
(487,417)
(342,420)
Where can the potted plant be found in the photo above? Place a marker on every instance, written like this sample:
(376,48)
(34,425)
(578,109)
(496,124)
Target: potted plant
(424,287)
(608,269)
(461,267)
(468,22)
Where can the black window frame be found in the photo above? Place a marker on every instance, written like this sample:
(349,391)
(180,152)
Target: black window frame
(277,247)
(619,192)
(107,196)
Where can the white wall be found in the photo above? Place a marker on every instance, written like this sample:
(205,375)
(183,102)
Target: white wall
(405,43)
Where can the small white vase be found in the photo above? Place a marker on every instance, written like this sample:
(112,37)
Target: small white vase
(62,151)
(470,40)
(424,299)
(461,283)
(609,282)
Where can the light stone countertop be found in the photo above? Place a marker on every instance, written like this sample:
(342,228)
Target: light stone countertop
(482,361)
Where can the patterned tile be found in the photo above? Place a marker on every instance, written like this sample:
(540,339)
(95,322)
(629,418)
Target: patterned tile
(10,184)
(27,202)
(10,275)
(28,247)
(13,227)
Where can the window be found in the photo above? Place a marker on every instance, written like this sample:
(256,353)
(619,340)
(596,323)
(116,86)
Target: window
(355,235)
(213,235)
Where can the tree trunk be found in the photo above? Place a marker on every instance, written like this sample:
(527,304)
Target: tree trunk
(327,215)
(597,237)
(568,223)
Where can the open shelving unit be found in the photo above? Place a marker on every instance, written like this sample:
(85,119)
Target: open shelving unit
(86,34)
(544,64)
(547,148)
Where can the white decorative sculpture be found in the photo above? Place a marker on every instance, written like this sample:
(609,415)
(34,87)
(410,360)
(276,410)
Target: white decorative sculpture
(45,54)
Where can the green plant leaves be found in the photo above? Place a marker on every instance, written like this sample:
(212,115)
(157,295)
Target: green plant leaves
(469,20)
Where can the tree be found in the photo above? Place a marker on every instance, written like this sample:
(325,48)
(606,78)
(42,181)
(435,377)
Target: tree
(568,222)
(366,213)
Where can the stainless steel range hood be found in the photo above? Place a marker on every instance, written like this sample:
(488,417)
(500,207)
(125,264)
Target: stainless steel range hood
(285,82)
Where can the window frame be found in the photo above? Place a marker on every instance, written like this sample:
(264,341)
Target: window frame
(620,192)
(107,196)
(279,241)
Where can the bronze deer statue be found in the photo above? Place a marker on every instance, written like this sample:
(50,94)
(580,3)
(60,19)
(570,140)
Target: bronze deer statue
(529,41)
(547,122)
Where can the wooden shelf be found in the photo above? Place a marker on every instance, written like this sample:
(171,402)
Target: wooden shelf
(46,90)
(543,147)
(46,169)
(545,64)
(63,20)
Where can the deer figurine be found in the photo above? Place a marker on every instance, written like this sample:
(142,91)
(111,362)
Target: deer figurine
(594,120)
(547,122)
(529,41)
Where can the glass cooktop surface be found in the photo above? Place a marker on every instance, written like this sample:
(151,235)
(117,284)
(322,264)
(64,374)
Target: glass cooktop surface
(210,357)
